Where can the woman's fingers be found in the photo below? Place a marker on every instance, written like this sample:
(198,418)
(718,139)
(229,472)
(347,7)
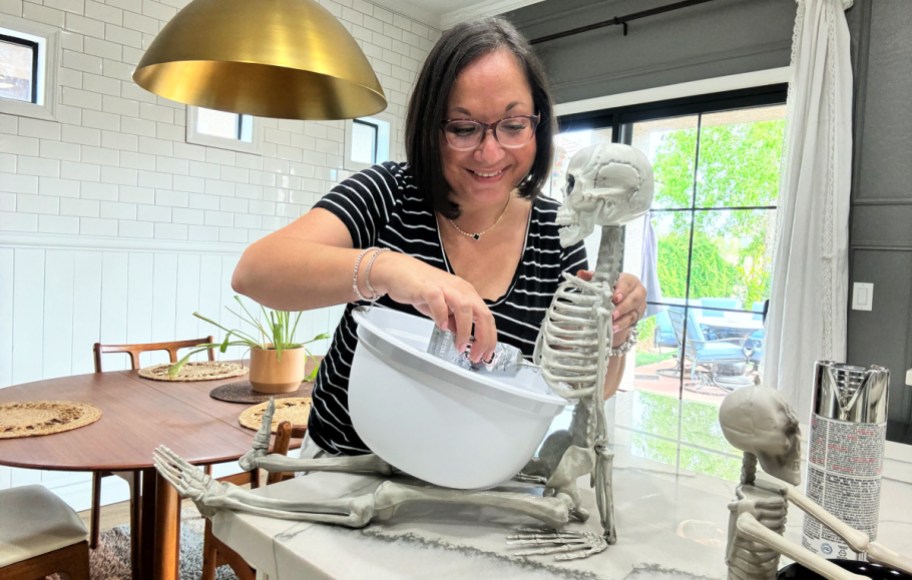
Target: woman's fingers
(630,302)
(451,302)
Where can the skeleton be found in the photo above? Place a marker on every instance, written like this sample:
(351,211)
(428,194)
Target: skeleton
(759,422)
(608,185)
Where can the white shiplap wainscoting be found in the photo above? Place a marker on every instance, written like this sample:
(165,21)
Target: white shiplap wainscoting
(60,295)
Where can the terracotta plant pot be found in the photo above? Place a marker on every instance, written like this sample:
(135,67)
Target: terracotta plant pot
(271,374)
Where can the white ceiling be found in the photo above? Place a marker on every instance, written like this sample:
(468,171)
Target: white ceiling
(442,14)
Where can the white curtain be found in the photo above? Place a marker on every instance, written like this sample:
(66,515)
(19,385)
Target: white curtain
(807,316)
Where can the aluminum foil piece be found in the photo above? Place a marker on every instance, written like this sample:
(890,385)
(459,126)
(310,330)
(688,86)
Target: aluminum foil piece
(507,359)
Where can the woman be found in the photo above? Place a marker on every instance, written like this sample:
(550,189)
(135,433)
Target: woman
(458,234)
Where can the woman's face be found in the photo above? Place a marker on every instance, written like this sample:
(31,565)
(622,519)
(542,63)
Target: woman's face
(489,89)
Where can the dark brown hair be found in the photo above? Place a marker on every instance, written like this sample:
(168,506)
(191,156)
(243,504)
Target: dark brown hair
(457,48)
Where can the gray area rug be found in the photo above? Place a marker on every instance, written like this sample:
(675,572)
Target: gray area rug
(111,560)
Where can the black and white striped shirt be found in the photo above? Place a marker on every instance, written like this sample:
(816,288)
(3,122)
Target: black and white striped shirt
(381,207)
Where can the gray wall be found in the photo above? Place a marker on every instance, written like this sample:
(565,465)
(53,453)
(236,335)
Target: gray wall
(708,40)
(726,37)
(880,238)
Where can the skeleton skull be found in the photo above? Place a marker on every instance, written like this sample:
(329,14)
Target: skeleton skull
(758,420)
(608,184)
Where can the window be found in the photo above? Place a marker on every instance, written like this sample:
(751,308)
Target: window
(222,129)
(716,160)
(367,141)
(18,68)
(28,67)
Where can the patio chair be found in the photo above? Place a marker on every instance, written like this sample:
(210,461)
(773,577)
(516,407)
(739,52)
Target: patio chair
(664,334)
(215,552)
(710,359)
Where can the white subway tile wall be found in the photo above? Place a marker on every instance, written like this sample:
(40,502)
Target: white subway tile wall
(118,143)
(114,229)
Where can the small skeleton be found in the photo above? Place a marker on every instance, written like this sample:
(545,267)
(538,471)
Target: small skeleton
(759,422)
(608,185)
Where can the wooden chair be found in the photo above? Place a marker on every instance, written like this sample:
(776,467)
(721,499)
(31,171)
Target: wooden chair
(41,535)
(215,552)
(131,477)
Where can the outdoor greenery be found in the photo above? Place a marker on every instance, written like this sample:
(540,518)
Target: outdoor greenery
(702,448)
(732,250)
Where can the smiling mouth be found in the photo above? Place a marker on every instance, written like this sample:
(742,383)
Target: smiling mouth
(487,173)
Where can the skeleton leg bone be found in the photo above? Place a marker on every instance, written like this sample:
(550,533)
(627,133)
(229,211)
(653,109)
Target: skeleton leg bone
(576,461)
(257,457)
(211,495)
(604,494)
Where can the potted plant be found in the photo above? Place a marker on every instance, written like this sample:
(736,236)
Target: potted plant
(277,360)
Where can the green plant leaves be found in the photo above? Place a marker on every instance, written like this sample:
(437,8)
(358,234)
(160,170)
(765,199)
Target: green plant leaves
(272,329)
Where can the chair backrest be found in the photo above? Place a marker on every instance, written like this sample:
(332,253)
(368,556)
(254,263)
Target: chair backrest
(695,337)
(725,303)
(134,350)
(285,432)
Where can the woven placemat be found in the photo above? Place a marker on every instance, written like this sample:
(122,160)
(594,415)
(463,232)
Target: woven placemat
(293,409)
(242,392)
(32,418)
(194,371)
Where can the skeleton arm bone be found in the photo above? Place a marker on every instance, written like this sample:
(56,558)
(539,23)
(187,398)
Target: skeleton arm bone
(750,527)
(858,540)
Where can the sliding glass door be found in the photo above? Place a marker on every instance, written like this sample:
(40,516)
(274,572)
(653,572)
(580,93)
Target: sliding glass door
(705,254)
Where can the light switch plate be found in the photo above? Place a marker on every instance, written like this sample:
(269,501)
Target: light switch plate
(909,377)
(862,295)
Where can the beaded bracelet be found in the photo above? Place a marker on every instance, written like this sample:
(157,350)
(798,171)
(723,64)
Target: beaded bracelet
(625,346)
(367,273)
(355,275)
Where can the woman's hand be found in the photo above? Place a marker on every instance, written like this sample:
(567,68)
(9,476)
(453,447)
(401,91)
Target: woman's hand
(629,300)
(630,305)
(451,302)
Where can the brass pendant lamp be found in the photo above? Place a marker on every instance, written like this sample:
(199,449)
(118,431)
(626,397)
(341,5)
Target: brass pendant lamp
(289,59)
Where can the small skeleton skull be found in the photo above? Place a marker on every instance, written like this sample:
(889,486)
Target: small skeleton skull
(608,184)
(758,420)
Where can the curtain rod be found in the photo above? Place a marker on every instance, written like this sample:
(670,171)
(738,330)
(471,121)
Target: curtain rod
(621,20)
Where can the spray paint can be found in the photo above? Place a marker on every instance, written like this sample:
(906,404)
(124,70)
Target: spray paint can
(845,456)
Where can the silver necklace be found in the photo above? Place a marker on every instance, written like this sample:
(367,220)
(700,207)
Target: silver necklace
(477,235)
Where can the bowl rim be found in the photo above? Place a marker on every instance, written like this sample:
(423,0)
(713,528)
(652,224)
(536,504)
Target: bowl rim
(375,338)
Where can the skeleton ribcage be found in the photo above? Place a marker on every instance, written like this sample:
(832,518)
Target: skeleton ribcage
(568,345)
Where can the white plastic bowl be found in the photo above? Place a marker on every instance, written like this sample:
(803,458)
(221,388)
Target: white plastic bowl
(434,420)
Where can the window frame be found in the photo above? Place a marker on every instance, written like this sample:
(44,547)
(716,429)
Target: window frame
(45,89)
(247,125)
(386,128)
(621,119)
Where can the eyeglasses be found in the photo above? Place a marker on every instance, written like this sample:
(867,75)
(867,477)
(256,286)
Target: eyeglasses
(510,132)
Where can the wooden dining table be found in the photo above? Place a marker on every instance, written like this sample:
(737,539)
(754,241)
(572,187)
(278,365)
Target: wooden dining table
(137,415)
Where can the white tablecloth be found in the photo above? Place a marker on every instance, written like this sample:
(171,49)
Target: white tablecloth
(669,526)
